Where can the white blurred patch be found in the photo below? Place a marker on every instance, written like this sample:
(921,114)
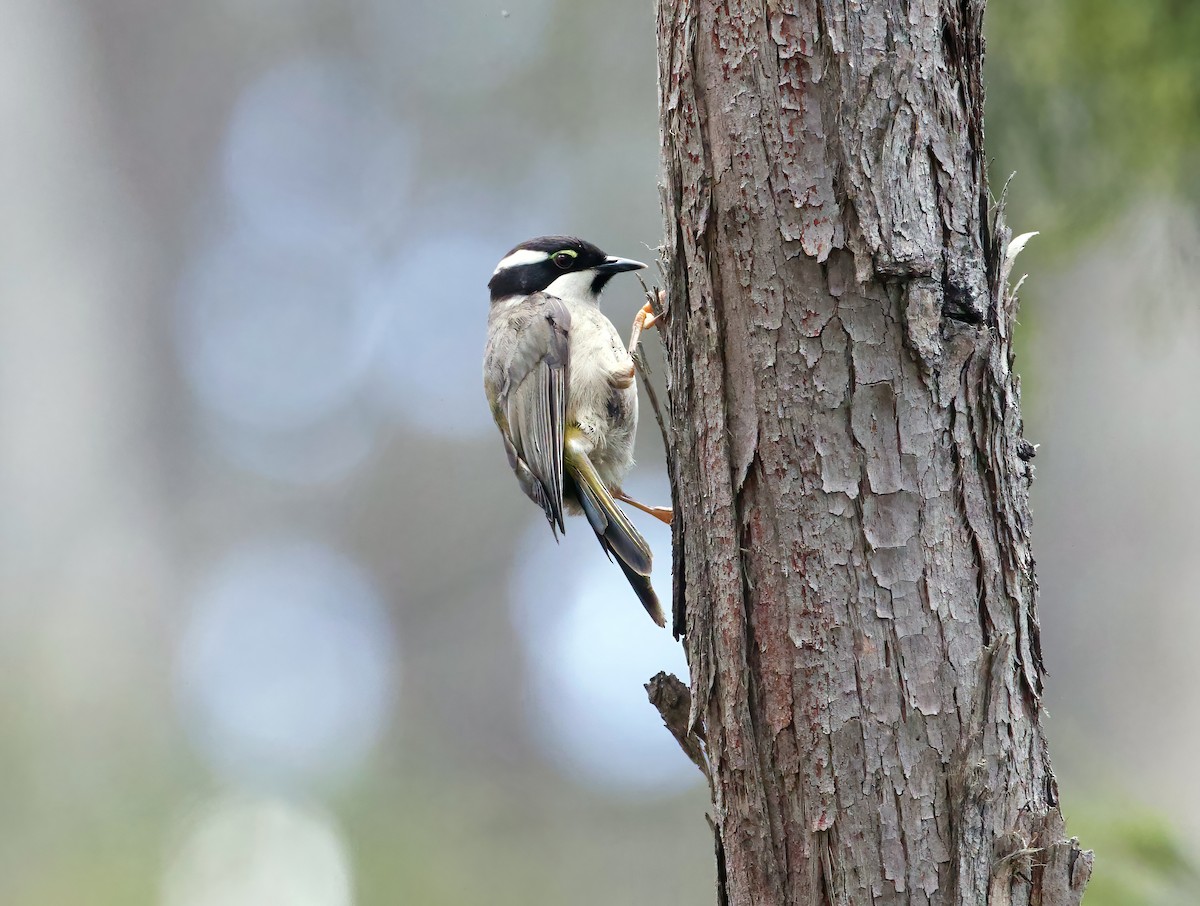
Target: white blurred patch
(590,648)
(286,665)
(241,851)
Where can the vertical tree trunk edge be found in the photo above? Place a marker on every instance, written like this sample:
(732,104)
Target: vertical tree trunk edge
(852,563)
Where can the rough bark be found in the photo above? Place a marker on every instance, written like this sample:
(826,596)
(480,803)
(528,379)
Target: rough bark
(853,567)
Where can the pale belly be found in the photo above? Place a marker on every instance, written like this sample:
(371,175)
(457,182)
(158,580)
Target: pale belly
(602,393)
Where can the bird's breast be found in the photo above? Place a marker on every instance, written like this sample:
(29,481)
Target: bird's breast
(602,392)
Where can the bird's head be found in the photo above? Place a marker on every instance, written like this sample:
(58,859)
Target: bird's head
(563,266)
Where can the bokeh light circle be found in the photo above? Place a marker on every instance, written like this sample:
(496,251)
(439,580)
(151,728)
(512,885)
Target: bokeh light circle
(590,648)
(286,666)
(273,337)
(311,156)
(429,364)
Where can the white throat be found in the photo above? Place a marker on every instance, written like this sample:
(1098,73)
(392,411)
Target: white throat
(574,287)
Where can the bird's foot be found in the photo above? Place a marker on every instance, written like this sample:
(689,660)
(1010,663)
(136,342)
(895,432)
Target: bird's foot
(646,318)
(661,513)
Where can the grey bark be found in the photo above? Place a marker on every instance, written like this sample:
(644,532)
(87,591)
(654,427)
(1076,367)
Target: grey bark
(853,570)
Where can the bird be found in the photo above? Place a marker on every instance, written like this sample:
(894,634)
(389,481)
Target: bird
(560,384)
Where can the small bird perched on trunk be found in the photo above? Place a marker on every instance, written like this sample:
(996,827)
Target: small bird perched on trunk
(560,383)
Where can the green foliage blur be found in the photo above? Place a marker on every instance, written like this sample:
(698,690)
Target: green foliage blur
(1140,859)
(1093,104)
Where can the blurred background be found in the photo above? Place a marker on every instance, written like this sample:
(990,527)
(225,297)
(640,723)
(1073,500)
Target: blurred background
(277,627)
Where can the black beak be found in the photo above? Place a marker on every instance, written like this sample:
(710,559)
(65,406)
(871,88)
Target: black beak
(613,265)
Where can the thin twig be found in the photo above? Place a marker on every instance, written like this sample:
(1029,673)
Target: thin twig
(643,370)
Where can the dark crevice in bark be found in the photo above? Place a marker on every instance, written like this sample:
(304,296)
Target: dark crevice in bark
(754,670)
(979,562)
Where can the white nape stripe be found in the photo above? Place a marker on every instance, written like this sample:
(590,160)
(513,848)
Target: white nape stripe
(574,287)
(519,257)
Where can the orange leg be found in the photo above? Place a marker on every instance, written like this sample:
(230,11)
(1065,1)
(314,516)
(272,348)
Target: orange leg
(662,513)
(646,318)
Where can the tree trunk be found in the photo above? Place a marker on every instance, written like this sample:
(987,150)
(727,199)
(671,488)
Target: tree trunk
(853,569)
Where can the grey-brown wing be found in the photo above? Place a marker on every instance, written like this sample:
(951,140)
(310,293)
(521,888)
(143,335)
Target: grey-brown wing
(529,358)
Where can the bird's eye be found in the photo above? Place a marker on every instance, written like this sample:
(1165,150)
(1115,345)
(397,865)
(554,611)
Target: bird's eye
(564,259)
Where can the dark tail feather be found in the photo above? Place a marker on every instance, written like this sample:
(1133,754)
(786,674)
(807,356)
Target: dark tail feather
(591,509)
(645,592)
(614,530)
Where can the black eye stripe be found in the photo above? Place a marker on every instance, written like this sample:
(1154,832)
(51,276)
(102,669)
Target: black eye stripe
(560,255)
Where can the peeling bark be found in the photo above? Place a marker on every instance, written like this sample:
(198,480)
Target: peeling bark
(853,569)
